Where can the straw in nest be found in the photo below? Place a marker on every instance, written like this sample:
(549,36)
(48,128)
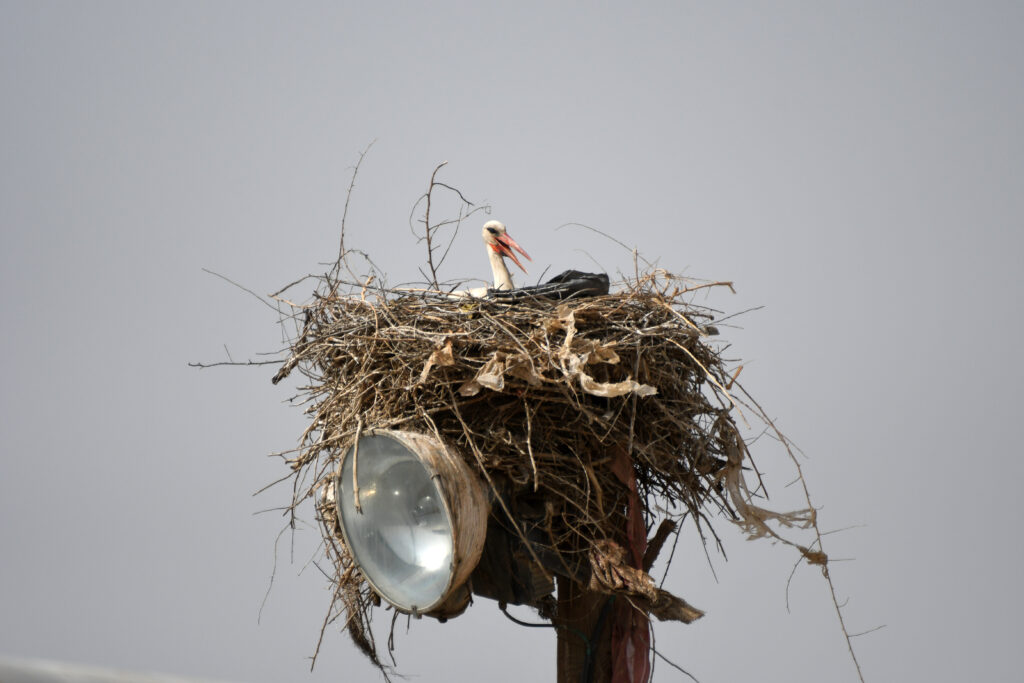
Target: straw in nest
(593,421)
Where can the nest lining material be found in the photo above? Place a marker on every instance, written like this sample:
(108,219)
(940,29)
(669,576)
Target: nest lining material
(584,417)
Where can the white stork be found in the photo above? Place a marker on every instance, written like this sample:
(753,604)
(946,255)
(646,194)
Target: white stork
(499,245)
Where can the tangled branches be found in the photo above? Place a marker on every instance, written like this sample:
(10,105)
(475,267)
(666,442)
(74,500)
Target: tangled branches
(592,420)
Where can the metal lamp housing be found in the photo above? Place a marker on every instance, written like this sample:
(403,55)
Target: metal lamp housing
(414,516)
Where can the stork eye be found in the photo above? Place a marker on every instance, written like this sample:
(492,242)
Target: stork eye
(493,231)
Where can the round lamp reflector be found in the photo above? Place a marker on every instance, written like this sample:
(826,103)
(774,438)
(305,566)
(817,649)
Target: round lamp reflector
(400,531)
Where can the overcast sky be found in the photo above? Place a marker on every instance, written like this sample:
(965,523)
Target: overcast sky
(857,169)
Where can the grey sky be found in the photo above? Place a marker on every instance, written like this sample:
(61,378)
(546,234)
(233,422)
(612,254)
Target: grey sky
(855,168)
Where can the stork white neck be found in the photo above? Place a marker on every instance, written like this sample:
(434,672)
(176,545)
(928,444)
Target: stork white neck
(502,278)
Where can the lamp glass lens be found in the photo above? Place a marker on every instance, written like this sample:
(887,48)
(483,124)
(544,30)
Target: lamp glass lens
(402,537)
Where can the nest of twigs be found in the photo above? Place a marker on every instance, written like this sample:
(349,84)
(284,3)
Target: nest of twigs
(592,421)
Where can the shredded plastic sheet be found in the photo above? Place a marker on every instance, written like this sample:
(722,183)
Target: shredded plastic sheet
(573,357)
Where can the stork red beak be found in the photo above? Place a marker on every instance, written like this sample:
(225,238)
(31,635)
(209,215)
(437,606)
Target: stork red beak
(504,245)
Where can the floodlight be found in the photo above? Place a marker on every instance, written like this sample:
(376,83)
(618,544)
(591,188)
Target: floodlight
(413,515)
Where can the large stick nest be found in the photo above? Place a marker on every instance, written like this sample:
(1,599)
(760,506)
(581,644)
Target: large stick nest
(543,399)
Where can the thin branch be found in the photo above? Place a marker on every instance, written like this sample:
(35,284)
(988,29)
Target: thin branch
(426,220)
(456,191)
(244,289)
(814,525)
(225,362)
(431,228)
(344,213)
(674,665)
(870,630)
(631,250)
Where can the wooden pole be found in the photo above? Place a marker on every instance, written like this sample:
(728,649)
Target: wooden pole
(584,620)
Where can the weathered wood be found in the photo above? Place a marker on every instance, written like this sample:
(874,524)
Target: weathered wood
(581,628)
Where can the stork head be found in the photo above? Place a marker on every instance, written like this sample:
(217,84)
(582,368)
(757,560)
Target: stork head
(498,240)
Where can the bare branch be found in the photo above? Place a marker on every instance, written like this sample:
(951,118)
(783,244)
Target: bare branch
(633,252)
(431,227)
(344,214)
(819,557)
(426,221)
(244,289)
(226,362)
